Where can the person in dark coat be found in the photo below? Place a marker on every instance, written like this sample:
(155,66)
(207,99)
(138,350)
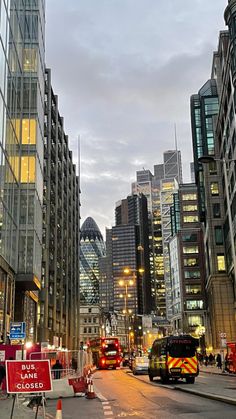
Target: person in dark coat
(57,367)
(219,361)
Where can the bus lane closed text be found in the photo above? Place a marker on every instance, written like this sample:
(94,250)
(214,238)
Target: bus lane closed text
(28,376)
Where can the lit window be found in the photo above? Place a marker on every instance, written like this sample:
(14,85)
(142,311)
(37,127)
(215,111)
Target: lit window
(189,197)
(190,249)
(221,263)
(27,169)
(194,304)
(193,289)
(190,218)
(214,189)
(29,131)
(190,208)
(30,59)
(195,321)
(190,262)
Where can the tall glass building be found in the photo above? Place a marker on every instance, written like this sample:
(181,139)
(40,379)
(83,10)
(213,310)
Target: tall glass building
(21,159)
(91,249)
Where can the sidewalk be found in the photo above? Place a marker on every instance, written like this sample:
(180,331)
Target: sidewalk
(212,369)
(20,411)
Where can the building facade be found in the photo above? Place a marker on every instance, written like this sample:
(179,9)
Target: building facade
(59,296)
(21,153)
(213,116)
(187,264)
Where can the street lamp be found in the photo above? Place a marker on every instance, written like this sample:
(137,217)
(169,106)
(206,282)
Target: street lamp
(209,159)
(126,283)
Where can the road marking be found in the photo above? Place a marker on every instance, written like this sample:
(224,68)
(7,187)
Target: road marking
(107,407)
(108,413)
(105,403)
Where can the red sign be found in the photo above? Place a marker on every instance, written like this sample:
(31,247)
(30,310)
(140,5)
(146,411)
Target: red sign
(28,376)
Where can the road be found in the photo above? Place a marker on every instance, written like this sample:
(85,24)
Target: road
(125,396)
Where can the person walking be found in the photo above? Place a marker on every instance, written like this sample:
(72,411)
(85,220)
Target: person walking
(2,376)
(219,361)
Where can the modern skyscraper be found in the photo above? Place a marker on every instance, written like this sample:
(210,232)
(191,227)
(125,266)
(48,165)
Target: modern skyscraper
(172,165)
(213,132)
(187,264)
(133,211)
(59,296)
(91,249)
(22,135)
(106,276)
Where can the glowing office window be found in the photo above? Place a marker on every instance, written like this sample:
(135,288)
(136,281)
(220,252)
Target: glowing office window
(190,218)
(221,263)
(30,60)
(14,163)
(190,208)
(190,249)
(29,127)
(214,189)
(27,169)
(189,197)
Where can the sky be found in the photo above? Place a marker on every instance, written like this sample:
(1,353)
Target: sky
(124,71)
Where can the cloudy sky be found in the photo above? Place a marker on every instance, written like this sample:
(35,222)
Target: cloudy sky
(124,71)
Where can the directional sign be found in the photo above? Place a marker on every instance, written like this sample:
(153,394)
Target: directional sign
(28,376)
(17,330)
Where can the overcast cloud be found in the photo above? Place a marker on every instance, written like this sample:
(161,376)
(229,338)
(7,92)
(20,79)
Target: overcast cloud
(124,71)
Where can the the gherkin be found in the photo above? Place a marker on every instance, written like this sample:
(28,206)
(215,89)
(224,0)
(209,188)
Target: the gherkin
(91,248)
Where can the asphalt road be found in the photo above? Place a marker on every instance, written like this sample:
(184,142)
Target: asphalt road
(124,396)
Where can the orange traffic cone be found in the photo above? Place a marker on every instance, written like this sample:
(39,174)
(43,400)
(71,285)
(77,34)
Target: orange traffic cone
(59,410)
(90,393)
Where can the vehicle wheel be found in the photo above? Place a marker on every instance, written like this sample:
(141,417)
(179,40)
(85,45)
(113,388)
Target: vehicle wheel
(134,373)
(114,368)
(150,377)
(164,380)
(190,380)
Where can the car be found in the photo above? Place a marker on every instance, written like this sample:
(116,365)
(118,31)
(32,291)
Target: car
(125,359)
(140,365)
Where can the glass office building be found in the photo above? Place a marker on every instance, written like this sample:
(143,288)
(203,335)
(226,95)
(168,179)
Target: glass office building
(91,249)
(21,154)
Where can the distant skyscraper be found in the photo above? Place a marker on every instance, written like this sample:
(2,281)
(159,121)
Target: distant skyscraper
(173,165)
(91,249)
(106,276)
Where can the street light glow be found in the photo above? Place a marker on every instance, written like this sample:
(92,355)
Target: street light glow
(121,283)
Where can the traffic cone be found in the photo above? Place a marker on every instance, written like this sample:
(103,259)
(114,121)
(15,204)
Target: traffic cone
(59,410)
(90,393)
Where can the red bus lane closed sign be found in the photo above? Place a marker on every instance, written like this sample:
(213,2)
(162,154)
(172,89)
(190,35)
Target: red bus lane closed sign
(28,376)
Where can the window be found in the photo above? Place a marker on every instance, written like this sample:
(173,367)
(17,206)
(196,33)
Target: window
(216,210)
(190,218)
(195,321)
(90,310)
(191,262)
(89,320)
(221,263)
(191,274)
(85,329)
(189,197)
(218,235)
(27,169)
(193,289)
(190,237)
(94,319)
(214,189)
(190,208)
(194,304)
(29,131)
(190,249)
(89,330)
(212,168)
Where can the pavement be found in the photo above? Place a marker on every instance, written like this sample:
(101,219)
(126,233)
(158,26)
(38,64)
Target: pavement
(20,411)
(222,388)
(212,369)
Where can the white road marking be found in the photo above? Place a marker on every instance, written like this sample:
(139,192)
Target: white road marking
(107,407)
(108,413)
(103,403)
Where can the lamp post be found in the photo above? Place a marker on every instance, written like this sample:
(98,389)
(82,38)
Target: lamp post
(209,159)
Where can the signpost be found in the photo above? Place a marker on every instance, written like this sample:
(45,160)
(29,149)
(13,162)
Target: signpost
(28,377)
(17,330)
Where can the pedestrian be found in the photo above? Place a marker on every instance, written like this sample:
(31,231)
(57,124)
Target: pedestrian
(57,367)
(206,360)
(219,361)
(211,359)
(2,376)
